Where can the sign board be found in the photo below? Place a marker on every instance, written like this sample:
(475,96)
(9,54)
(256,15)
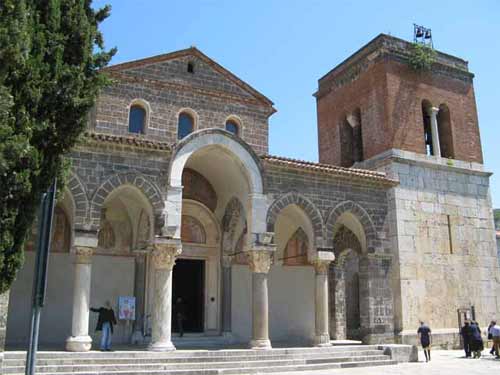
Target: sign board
(126,308)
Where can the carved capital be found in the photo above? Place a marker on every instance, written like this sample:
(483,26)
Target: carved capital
(83,254)
(321,266)
(227,261)
(259,261)
(164,254)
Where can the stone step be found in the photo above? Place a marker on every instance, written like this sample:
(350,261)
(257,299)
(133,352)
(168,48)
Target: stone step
(53,367)
(174,358)
(235,370)
(187,353)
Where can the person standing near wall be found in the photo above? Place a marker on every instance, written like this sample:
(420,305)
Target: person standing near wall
(424,335)
(495,336)
(466,333)
(105,323)
(476,344)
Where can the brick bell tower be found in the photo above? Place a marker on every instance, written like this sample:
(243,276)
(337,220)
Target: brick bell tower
(374,101)
(421,127)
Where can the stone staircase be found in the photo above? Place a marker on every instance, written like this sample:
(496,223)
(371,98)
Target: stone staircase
(206,362)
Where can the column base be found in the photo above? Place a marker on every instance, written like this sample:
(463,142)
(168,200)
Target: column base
(78,343)
(166,346)
(322,340)
(261,344)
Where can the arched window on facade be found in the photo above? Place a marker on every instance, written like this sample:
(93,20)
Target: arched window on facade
(137,119)
(232,127)
(445,132)
(426,117)
(295,253)
(185,125)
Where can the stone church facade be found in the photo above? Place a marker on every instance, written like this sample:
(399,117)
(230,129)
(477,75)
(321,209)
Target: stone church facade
(173,194)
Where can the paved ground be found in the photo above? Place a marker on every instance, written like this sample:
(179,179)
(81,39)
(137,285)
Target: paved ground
(444,362)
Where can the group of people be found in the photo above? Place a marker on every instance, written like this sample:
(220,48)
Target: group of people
(471,336)
(473,341)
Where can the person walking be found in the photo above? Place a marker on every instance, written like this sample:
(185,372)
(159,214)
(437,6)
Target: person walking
(495,336)
(424,336)
(476,343)
(105,322)
(490,337)
(180,314)
(466,333)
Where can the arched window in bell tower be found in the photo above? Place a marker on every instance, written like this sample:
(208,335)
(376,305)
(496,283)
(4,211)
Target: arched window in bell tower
(445,133)
(351,139)
(426,117)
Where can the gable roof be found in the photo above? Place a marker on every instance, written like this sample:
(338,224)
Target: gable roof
(192,51)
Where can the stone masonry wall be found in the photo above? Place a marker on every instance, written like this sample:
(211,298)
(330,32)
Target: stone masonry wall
(442,230)
(326,193)
(165,102)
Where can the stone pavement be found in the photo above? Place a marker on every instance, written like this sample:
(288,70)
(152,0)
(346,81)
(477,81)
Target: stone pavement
(444,362)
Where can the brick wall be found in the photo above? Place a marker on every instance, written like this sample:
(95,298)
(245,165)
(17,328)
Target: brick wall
(378,81)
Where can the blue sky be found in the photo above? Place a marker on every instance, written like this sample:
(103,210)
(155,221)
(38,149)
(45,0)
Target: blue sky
(283,47)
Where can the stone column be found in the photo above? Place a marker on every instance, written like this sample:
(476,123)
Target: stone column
(80,341)
(139,293)
(226,294)
(433,111)
(321,264)
(338,309)
(163,259)
(260,262)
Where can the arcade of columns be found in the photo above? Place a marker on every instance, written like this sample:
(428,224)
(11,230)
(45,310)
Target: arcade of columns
(164,253)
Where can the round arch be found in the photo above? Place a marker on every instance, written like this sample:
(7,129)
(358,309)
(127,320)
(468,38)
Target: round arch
(204,138)
(79,201)
(306,205)
(354,217)
(206,218)
(134,179)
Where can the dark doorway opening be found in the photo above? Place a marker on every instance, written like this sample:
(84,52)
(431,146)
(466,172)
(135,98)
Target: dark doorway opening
(189,284)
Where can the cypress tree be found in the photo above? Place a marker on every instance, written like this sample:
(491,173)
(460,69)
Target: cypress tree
(50,55)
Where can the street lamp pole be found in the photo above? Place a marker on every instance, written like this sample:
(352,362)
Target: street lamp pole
(41,266)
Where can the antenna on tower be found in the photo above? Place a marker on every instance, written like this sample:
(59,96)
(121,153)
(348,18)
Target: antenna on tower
(422,35)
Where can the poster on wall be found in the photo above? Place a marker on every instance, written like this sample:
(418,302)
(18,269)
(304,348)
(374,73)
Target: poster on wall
(126,308)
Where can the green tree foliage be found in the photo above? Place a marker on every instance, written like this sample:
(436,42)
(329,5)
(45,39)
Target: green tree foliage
(421,57)
(50,55)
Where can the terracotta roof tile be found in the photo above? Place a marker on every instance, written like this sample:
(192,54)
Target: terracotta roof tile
(129,140)
(377,177)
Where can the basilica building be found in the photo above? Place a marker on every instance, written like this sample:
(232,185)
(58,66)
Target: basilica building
(173,196)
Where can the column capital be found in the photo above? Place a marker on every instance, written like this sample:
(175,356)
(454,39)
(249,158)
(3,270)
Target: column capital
(164,253)
(322,261)
(432,111)
(321,266)
(259,260)
(227,261)
(83,254)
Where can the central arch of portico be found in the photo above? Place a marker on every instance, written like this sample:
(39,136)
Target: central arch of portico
(232,170)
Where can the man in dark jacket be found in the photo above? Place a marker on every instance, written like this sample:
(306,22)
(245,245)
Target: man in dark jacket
(105,323)
(466,333)
(180,313)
